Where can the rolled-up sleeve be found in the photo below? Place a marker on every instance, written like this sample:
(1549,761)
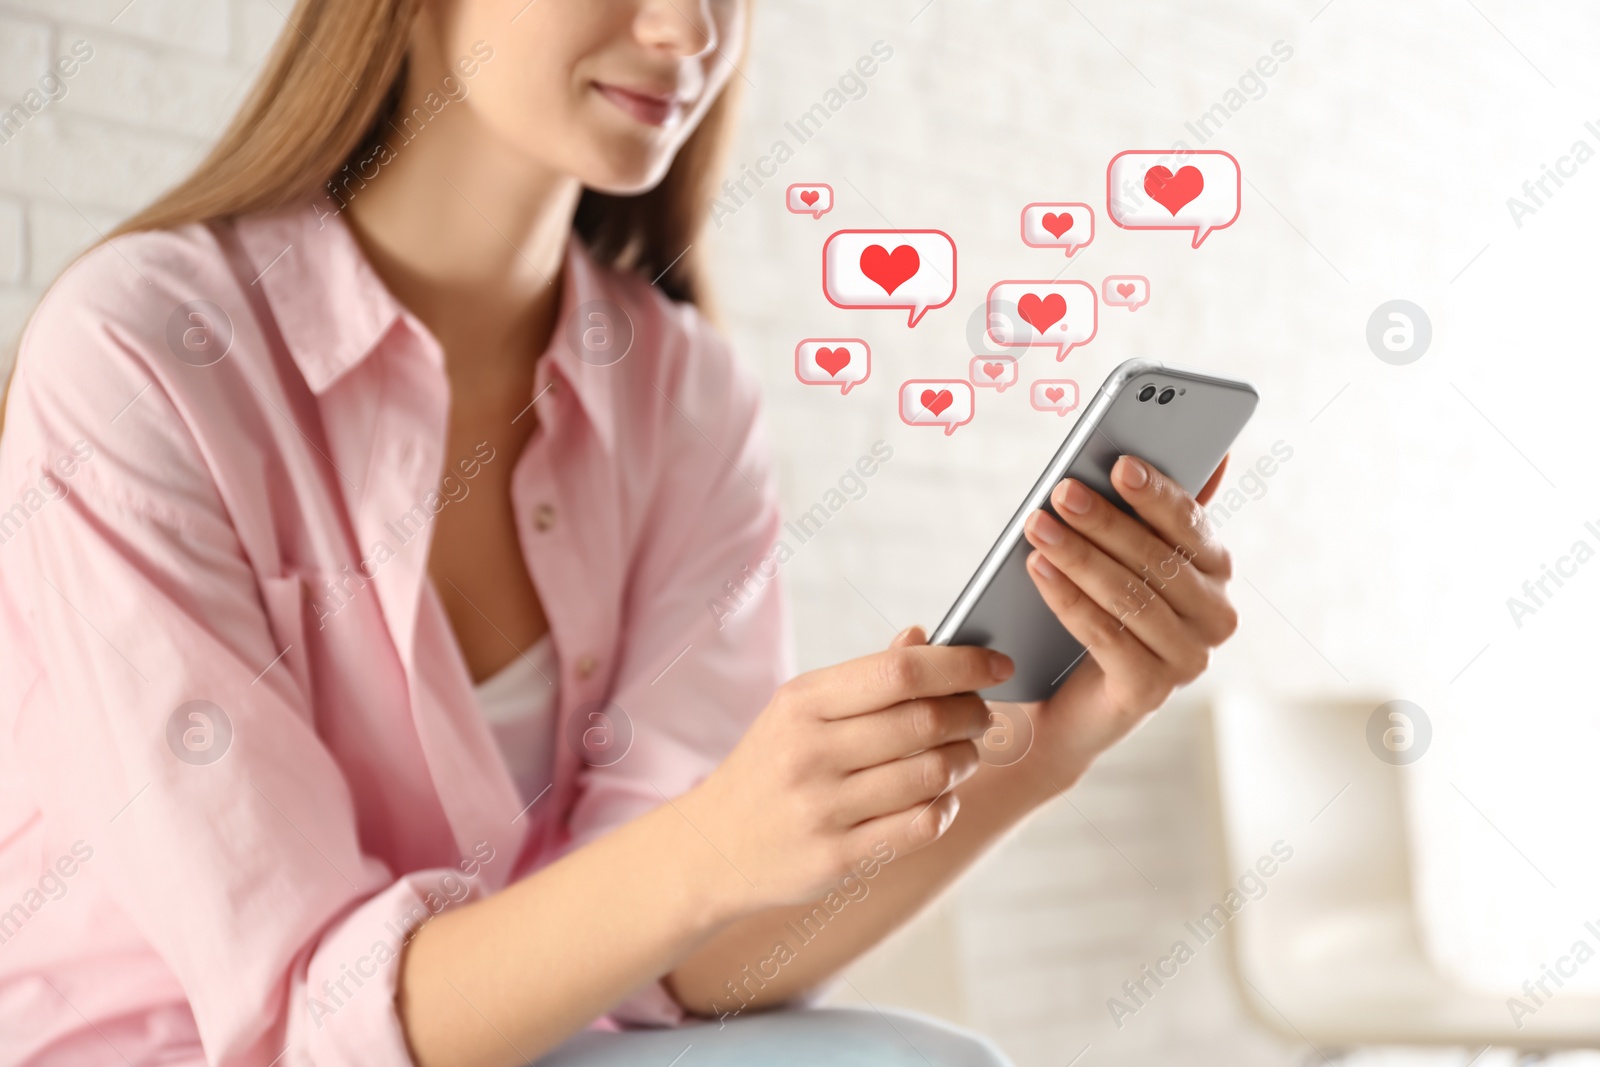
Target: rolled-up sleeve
(159,730)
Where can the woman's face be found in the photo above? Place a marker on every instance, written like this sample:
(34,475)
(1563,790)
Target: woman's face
(604,90)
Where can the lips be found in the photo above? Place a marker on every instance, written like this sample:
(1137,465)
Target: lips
(647,106)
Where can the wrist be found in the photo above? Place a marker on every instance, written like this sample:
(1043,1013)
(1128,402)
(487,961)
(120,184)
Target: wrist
(718,892)
(1007,793)
(1042,774)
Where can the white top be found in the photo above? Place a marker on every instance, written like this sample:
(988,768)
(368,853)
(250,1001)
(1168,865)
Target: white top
(520,704)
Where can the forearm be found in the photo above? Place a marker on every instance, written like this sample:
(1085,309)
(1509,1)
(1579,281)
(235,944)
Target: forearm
(505,979)
(743,966)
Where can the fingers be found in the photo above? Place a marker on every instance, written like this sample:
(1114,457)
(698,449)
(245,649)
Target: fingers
(1156,568)
(1114,647)
(915,726)
(1172,513)
(903,673)
(905,831)
(911,635)
(1209,490)
(1132,602)
(903,783)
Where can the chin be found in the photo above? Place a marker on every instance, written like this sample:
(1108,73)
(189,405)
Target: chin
(625,170)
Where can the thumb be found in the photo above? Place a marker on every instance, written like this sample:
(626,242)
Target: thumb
(911,635)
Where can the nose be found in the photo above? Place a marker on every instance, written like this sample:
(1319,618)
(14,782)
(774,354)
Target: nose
(682,28)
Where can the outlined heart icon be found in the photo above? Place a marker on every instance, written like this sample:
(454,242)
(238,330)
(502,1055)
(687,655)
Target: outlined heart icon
(936,402)
(1041,314)
(809,198)
(833,360)
(1056,224)
(1173,191)
(890,270)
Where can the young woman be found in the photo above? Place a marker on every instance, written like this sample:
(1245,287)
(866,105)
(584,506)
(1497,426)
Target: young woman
(361,703)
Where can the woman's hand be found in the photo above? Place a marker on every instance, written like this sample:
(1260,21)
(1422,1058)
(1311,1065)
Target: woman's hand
(1147,599)
(844,763)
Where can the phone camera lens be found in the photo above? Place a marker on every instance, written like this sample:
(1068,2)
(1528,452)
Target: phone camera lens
(1147,392)
(1166,395)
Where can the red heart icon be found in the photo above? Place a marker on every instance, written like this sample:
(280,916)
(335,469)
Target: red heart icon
(1172,191)
(809,198)
(936,402)
(994,370)
(1054,393)
(890,269)
(833,360)
(1125,288)
(1057,224)
(1042,314)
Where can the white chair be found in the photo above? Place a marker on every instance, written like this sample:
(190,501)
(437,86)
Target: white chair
(1332,953)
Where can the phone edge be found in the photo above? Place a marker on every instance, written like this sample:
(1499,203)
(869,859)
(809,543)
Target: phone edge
(1011,533)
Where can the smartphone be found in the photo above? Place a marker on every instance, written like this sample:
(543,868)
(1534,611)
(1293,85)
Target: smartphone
(1181,421)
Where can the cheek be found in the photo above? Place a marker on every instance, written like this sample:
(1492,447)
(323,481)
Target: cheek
(536,112)
(521,94)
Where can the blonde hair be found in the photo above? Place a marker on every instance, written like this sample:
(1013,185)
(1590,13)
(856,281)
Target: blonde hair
(326,97)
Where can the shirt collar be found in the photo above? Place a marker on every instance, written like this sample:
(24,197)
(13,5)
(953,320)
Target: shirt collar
(592,319)
(332,309)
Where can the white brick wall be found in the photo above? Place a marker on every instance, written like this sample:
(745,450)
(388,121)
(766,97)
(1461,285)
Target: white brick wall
(164,77)
(1379,160)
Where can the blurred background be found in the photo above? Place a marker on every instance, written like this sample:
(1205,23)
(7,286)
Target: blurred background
(1395,152)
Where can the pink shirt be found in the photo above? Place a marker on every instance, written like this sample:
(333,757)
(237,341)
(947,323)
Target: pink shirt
(179,883)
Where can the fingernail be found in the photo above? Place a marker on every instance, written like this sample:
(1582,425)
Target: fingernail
(1044,568)
(1000,666)
(1134,473)
(1076,498)
(1045,528)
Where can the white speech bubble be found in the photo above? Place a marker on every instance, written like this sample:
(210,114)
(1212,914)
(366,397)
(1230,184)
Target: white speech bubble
(1059,395)
(1131,291)
(993,372)
(1160,190)
(943,402)
(843,361)
(911,269)
(1059,315)
(813,200)
(1058,225)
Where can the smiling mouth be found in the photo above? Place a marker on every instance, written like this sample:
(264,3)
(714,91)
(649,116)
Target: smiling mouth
(652,109)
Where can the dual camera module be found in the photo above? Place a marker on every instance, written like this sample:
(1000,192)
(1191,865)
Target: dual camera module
(1166,394)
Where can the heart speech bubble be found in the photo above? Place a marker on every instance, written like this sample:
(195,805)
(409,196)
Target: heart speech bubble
(813,200)
(936,402)
(912,269)
(1060,315)
(1158,190)
(1131,291)
(1057,395)
(845,361)
(993,372)
(1068,226)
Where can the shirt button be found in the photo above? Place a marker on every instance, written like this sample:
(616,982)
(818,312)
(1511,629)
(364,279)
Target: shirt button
(544,517)
(586,666)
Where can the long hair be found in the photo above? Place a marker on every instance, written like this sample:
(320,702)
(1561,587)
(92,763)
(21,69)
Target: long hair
(327,95)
